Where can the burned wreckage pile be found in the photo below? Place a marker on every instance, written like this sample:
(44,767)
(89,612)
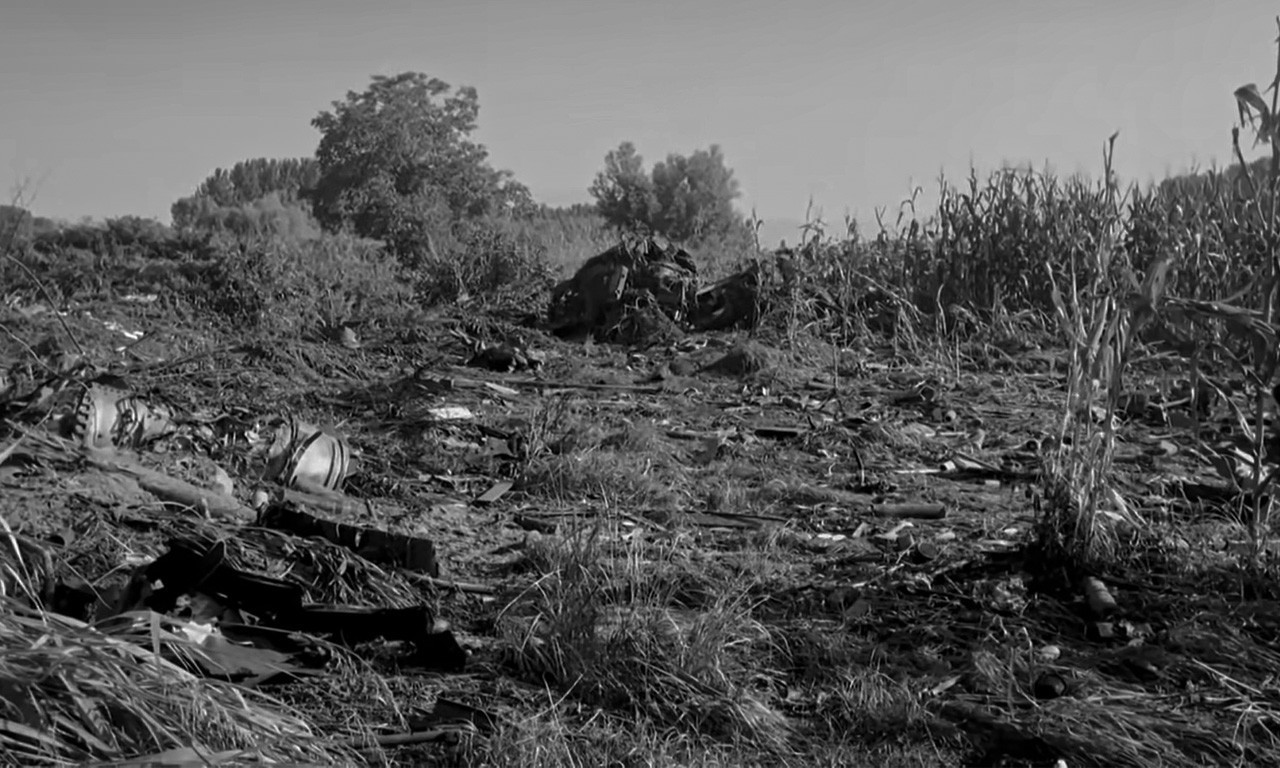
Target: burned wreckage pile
(644,286)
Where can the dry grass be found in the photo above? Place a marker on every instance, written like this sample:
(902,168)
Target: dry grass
(74,693)
(644,668)
(601,624)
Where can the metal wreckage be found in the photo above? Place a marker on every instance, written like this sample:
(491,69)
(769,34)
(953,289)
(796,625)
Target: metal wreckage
(646,287)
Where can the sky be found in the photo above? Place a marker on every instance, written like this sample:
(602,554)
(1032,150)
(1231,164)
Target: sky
(114,107)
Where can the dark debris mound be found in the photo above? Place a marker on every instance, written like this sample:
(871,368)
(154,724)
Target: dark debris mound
(639,272)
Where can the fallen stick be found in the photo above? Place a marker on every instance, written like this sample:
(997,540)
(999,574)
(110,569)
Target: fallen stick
(9,449)
(916,511)
(538,384)
(404,549)
(172,489)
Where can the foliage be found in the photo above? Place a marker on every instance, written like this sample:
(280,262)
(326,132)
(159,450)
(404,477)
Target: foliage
(269,215)
(16,223)
(397,163)
(256,197)
(488,259)
(249,180)
(568,236)
(125,236)
(281,285)
(128,231)
(623,191)
(684,198)
(276,284)
(994,241)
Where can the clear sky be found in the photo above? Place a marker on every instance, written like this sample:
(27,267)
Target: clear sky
(118,107)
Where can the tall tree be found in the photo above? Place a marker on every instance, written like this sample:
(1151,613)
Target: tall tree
(397,159)
(695,195)
(683,198)
(624,192)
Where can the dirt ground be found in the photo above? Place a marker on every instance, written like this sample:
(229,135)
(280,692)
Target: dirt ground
(867,511)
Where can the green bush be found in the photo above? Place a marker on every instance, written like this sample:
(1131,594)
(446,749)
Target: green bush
(283,285)
(273,284)
(485,259)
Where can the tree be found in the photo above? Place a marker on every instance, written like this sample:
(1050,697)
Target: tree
(250,180)
(683,198)
(227,199)
(136,230)
(397,161)
(624,193)
(695,195)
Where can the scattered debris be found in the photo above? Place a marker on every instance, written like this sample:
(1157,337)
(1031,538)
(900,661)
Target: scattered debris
(108,414)
(1099,598)
(302,455)
(496,492)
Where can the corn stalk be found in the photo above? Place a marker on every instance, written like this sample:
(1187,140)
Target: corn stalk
(1081,508)
(1264,120)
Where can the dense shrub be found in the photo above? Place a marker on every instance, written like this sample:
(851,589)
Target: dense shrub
(272,215)
(282,285)
(265,283)
(485,259)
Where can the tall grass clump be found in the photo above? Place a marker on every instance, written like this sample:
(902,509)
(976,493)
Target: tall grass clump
(603,627)
(487,260)
(835,285)
(86,262)
(569,235)
(270,283)
(279,285)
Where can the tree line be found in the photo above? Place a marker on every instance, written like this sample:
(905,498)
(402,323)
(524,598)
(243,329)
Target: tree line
(398,162)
